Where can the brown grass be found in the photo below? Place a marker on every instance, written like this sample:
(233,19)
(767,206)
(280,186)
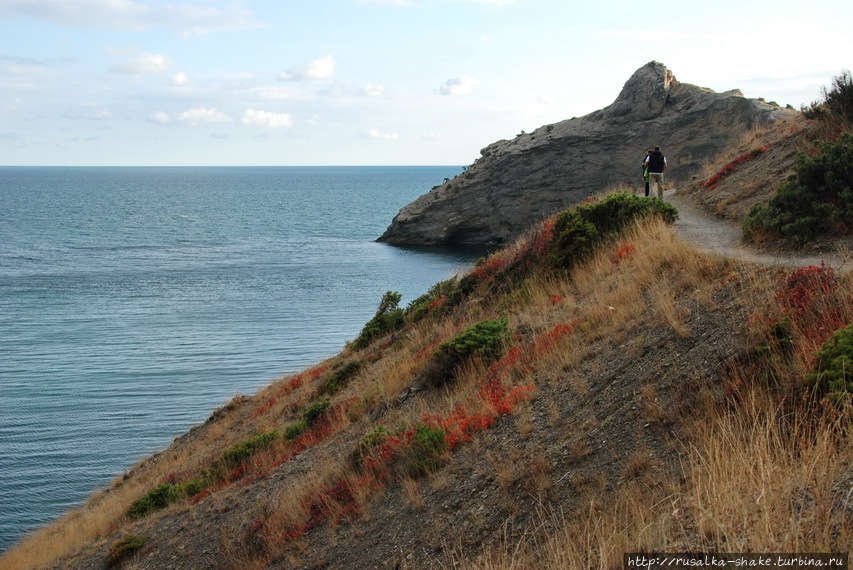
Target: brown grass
(748,467)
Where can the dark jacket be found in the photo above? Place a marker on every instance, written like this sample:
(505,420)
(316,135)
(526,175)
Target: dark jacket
(656,161)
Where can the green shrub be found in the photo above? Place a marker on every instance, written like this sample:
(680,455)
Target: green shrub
(340,376)
(780,338)
(125,548)
(817,200)
(164,495)
(240,452)
(315,411)
(388,318)
(156,499)
(426,452)
(839,99)
(191,488)
(580,230)
(833,373)
(368,443)
(486,339)
(293,431)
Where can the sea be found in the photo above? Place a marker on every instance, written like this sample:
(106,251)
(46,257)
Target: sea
(134,301)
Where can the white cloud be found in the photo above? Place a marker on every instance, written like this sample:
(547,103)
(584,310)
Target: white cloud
(319,70)
(459,85)
(180,78)
(375,134)
(146,63)
(202,115)
(266,119)
(160,118)
(184,19)
(374,90)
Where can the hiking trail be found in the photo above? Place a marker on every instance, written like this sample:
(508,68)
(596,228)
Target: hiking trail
(724,236)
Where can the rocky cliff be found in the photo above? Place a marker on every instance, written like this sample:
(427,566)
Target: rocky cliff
(518,182)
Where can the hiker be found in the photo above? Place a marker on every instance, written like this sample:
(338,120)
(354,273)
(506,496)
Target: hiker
(646,171)
(656,163)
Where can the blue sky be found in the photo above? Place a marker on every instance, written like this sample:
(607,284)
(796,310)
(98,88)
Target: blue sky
(374,82)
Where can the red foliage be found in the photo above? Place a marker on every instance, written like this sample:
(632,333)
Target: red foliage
(527,250)
(807,298)
(732,166)
(626,251)
(265,407)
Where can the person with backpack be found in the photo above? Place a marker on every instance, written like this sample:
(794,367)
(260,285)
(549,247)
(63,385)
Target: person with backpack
(656,163)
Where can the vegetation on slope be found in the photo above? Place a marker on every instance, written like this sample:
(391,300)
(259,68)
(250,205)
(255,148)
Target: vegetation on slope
(818,199)
(598,387)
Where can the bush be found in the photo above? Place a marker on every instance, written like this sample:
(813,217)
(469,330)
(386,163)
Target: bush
(293,431)
(368,444)
(833,373)
(124,549)
(156,499)
(240,452)
(388,318)
(580,230)
(486,339)
(341,376)
(839,99)
(425,453)
(315,411)
(817,200)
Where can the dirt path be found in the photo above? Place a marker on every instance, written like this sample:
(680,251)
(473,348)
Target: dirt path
(722,236)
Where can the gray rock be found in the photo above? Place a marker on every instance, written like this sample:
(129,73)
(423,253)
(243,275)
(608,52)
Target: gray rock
(516,183)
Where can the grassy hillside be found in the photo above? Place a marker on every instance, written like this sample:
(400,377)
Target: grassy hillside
(589,391)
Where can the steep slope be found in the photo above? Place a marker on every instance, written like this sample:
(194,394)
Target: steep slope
(518,182)
(591,415)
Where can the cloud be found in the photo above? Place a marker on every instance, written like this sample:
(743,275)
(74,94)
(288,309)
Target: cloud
(266,119)
(183,19)
(319,70)
(145,64)
(458,85)
(201,115)
(160,118)
(375,134)
(180,78)
(374,90)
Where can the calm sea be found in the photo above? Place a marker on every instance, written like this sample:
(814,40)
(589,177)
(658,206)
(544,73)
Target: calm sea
(134,301)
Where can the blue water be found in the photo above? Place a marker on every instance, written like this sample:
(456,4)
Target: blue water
(134,301)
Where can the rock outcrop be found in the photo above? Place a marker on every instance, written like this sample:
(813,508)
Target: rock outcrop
(518,182)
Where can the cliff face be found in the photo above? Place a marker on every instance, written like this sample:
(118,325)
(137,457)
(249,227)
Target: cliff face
(518,182)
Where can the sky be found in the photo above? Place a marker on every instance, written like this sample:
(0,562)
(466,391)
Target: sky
(370,82)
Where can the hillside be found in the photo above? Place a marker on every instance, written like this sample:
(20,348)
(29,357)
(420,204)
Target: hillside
(571,398)
(631,409)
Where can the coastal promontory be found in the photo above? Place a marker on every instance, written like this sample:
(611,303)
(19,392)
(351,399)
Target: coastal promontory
(518,182)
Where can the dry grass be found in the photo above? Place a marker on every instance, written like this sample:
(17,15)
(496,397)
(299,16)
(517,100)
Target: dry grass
(755,482)
(747,471)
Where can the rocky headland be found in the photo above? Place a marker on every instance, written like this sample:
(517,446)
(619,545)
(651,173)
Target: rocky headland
(518,182)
